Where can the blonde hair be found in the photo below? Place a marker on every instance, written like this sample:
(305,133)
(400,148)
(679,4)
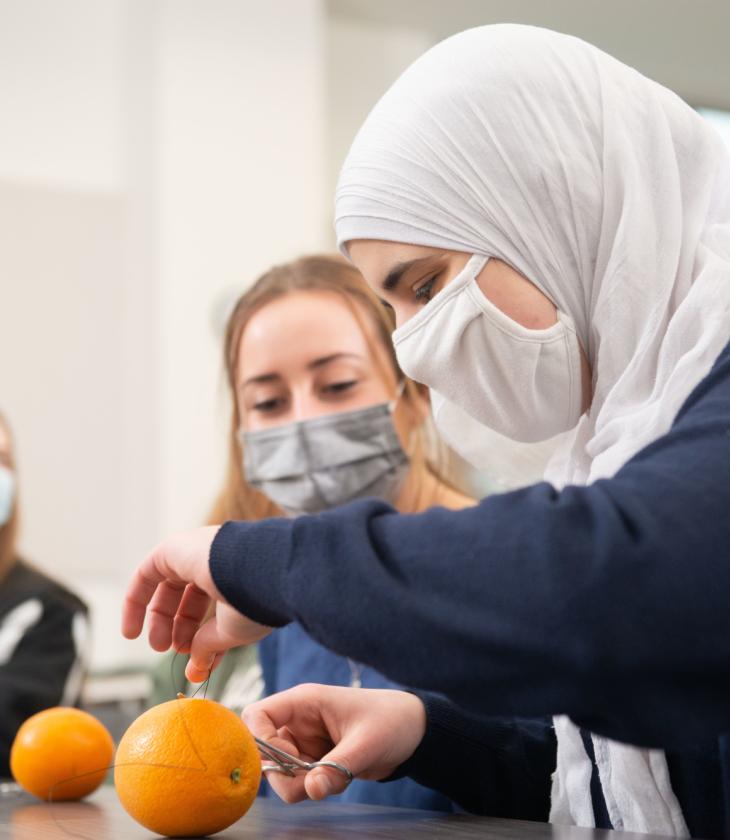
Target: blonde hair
(9,531)
(237,499)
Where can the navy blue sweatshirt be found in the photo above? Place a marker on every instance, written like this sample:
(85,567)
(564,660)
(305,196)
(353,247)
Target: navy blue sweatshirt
(608,603)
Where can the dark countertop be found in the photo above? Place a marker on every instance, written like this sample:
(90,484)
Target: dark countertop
(101,816)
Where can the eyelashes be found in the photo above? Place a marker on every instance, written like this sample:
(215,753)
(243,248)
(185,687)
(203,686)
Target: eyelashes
(267,405)
(339,387)
(332,390)
(424,291)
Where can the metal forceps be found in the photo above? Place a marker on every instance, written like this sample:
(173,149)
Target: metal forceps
(284,762)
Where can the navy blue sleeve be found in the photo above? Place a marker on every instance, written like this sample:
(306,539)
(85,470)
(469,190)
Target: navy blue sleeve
(500,767)
(608,603)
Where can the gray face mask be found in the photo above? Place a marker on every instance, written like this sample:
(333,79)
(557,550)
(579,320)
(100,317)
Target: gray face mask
(313,465)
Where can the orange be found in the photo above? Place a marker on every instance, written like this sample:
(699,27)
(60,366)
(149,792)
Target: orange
(187,768)
(61,753)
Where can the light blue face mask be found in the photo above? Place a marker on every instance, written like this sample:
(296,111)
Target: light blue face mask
(7,494)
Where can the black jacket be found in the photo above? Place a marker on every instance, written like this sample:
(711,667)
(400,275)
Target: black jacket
(43,631)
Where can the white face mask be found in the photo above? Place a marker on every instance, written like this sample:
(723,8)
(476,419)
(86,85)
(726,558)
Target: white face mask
(504,463)
(7,494)
(524,384)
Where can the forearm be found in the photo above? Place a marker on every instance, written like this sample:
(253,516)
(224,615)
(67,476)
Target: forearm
(607,602)
(516,626)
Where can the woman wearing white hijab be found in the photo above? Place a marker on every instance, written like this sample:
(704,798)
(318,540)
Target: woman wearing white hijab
(553,232)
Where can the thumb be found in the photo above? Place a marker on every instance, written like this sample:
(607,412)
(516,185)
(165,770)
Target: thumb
(352,754)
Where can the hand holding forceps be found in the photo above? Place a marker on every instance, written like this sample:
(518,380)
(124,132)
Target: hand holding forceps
(289,765)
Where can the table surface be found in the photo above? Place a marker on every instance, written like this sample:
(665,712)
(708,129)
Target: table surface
(101,816)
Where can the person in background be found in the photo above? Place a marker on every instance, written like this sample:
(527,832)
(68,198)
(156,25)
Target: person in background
(43,626)
(322,415)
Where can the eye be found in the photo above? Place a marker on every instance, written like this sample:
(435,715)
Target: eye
(424,291)
(266,406)
(339,387)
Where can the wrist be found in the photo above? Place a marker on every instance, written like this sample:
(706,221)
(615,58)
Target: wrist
(248,565)
(206,582)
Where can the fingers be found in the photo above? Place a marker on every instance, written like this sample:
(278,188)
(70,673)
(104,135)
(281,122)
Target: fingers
(161,613)
(289,789)
(325,722)
(174,613)
(191,613)
(139,594)
(226,630)
(355,752)
(325,781)
(266,717)
(173,585)
(263,725)
(318,783)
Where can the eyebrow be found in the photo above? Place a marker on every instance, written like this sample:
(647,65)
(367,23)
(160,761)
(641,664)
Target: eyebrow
(313,365)
(262,377)
(333,357)
(395,274)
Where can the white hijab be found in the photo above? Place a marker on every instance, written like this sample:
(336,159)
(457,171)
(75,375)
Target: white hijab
(613,197)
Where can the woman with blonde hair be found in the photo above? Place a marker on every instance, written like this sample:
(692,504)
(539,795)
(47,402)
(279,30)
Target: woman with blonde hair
(323,283)
(43,626)
(322,415)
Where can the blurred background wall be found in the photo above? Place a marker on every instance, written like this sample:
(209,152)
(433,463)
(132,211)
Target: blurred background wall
(155,156)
